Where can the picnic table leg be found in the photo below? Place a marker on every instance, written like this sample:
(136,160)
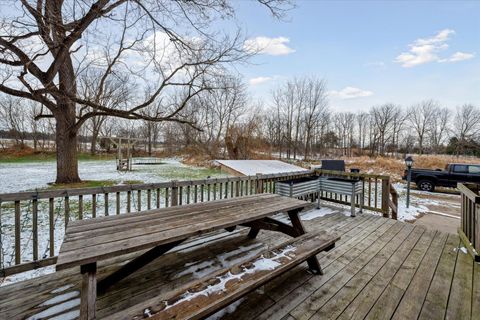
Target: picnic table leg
(313,263)
(88,299)
(135,264)
(252,234)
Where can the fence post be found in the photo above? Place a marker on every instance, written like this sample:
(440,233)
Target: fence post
(174,193)
(1,243)
(385,196)
(477,228)
(259,183)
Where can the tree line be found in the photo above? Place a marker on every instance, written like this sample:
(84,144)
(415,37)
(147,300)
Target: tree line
(297,123)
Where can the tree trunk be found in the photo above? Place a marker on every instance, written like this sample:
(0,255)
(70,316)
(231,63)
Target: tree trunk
(93,142)
(66,141)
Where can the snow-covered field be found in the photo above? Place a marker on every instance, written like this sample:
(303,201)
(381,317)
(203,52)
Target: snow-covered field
(16,177)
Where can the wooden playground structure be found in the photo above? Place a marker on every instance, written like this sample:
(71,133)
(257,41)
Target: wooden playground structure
(124,158)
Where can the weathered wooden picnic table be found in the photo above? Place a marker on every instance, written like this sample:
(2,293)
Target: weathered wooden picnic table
(157,231)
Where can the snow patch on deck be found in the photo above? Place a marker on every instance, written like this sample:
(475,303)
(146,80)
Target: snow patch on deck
(60,298)
(260,264)
(317,213)
(61,289)
(56,310)
(200,269)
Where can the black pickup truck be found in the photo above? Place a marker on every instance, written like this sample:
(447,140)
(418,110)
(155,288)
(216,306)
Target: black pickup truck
(427,180)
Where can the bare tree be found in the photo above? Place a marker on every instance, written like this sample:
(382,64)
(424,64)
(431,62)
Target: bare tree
(14,118)
(315,107)
(420,117)
(344,124)
(466,125)
(439,128)
(47,45)
(382,118)
(398,123)
(362,120)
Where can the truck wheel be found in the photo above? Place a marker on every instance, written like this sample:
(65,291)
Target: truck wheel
(426,185)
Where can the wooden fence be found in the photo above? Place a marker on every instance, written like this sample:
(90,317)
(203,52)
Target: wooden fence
(469,230)
(26,215)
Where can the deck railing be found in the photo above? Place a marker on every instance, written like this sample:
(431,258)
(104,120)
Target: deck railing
(379,194)
(32,223)
(469,230)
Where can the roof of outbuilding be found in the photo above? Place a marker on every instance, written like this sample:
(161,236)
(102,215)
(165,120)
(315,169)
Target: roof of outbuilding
(253,167)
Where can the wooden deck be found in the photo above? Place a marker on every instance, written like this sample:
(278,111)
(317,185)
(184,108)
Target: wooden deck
(380,269)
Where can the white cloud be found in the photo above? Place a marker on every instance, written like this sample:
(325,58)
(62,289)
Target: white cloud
(350,93)
(426,50)
(259,80)
(272,46)
(461,56)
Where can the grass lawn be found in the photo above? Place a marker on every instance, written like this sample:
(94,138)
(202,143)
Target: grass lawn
(8,157)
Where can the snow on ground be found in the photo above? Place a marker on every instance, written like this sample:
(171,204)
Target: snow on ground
(419,204)
(17,177)
(411,213)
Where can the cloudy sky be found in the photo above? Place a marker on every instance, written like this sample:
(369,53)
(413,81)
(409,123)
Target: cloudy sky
(370,52)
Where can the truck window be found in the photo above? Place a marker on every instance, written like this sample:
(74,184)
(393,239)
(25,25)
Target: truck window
(474,169)
(460,168)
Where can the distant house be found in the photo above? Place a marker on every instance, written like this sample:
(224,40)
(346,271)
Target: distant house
(253,167)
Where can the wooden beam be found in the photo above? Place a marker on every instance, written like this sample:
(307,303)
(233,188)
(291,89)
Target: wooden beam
(270,225)
(297,225)
(88,298)
(134,265)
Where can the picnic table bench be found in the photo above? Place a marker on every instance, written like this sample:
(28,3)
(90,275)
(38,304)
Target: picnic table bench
(157,231)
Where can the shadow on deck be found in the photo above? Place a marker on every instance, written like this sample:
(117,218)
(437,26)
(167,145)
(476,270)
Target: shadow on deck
(380,269)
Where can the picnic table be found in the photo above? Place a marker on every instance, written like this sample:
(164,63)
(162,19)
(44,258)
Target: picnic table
(157,231)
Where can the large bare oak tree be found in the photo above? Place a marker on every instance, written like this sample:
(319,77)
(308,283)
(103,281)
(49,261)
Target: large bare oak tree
(156,47)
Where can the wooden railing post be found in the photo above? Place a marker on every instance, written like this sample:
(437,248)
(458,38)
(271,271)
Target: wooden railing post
(385,197)
(259,183)
(469,230)
(237,190)
(394,195)
(174,200)
(1,242)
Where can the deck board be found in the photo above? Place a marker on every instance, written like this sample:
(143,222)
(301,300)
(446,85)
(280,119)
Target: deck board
(361,304)
(334,307)
(390,298)
(355,262)
(436,299)
(459,306)
(379,269)
(412,301)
